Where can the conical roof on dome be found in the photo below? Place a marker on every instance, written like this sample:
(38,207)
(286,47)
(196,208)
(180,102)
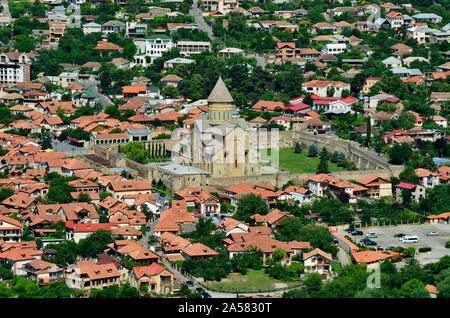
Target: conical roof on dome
(220,93)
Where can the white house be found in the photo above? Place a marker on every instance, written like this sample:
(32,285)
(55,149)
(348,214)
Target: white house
(392,62)
(317,261)
(153,47)
(92,27)
(320,88)
(300,195)
(334,49)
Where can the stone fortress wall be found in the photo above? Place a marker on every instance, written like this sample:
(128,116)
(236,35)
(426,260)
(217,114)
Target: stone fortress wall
(369,163)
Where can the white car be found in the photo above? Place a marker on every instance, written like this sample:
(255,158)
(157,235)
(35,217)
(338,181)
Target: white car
(432,233)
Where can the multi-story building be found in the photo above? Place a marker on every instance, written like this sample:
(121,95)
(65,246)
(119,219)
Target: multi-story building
(10,229)
(85,275)
(285,51)
(153,47)
(112,26)
(317,261)
(57,30)
(427,178)
(320,88)
(188,48)
(136,30)
(15,67)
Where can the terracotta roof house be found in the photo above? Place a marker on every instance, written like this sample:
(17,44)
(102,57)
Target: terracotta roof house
(170,116)
(231,225)
(18,257)
(119,189)
(134,250)
(43,272)
(427,178)
(244,241)
(107,46)
(272,219)
(173,244)
(79,212)
(155,277)
(203,201)
(268,106)
(318,183)
(198,251)
(86,275)
(10,229)
(377,186)
(21,201)
(171,79)
(370,258)
(317,261)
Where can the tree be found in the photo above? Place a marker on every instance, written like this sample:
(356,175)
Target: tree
(406,196)
(24,43)
(297,148)
(84,197)
(312,151)
(341,160)
(369,131)
(413,289)
(135,151)
(334,157)
(248,205)
(400,154)
(47,142)
(95,243)
(313,283)
(279,254)
(323,164)
(357,83)
(5,193)
(409,175)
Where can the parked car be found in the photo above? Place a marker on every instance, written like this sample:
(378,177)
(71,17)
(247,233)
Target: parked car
(199,290)
(364,240)
(399,235)
(349,230)
(380,248)
(370,243)
(372,235)
(390,248)
(206,295)
(357,232)
(432,233)
(190,283)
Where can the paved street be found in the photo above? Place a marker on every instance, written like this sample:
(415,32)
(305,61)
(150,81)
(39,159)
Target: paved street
(202,25)
(6,13)
(343,257)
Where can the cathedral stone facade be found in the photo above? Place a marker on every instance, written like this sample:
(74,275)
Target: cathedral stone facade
(220,144)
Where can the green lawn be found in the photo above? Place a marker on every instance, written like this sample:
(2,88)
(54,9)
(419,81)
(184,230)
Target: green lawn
(300,162)
(255,280)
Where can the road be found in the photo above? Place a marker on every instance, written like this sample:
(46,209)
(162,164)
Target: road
(202,25)
(6,13)
(343,257)
(104,100)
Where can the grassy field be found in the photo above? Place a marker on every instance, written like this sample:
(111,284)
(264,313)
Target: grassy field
(300,162)
(255,280)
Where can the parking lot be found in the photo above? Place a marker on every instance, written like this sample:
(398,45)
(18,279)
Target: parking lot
(437,243)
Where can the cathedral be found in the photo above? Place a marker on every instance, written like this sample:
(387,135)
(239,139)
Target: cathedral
(220,144)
